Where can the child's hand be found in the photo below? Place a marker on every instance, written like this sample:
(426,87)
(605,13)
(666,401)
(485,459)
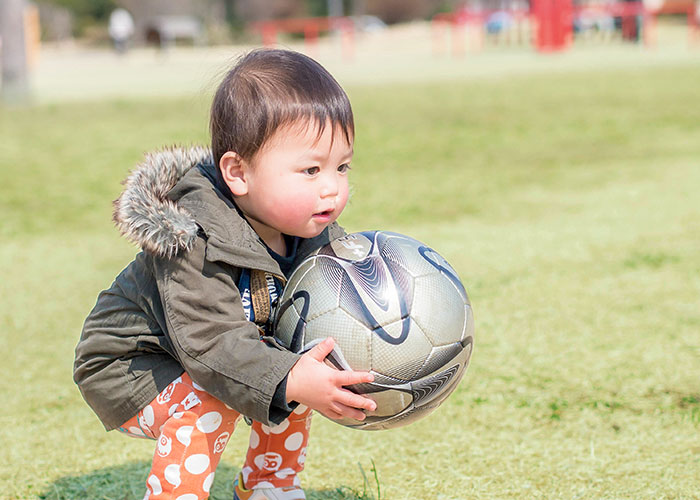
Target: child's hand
(313,383)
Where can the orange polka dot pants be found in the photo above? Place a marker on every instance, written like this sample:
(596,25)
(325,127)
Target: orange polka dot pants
(192,429)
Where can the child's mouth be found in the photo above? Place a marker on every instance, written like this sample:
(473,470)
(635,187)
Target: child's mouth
(325,215)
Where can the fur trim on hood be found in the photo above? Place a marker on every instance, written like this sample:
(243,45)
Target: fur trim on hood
(145,215)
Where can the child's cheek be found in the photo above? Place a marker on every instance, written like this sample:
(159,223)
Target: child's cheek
(343,199)
(296,212)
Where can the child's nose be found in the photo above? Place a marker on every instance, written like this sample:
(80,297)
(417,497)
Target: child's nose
(329,185)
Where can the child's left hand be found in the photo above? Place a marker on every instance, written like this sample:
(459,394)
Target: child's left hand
(313,383)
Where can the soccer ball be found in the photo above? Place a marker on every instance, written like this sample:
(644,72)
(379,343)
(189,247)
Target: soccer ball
(395,308)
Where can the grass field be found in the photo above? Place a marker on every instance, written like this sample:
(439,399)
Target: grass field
(566,199)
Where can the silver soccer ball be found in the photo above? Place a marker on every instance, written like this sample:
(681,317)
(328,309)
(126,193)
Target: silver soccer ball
(395,308)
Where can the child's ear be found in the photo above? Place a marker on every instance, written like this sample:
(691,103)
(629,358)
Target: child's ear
(233,169)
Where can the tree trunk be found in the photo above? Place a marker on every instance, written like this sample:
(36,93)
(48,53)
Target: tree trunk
(358,7)
(335,8)
(13,57)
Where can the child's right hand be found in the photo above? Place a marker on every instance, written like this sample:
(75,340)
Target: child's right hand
(313,383)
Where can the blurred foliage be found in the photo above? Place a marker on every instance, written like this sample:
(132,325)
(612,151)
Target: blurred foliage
(317,8)
(388,10)
(86,12)
(94,9)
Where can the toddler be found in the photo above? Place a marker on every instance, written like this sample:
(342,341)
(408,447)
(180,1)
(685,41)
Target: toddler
(178,348)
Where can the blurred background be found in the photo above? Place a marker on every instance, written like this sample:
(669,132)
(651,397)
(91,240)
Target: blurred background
(549,150)
(61,47)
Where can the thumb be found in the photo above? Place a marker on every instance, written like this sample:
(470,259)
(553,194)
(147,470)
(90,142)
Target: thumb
(323,349)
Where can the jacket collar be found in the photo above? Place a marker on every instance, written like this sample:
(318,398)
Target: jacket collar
(167,203)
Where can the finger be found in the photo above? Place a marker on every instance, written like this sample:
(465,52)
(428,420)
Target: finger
(346,377)
(331,414)
(358,401)
(347,412)
(323,349)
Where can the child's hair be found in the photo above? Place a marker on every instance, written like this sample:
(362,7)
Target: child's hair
(268,89)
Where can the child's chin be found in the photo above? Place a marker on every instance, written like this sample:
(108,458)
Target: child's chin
(313,232)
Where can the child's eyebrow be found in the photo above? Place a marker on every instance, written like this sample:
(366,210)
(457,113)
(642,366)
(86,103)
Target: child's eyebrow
(317,155)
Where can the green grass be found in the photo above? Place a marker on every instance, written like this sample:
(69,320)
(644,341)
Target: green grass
(567,201)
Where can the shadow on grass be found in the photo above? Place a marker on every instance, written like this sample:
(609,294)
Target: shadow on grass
(128,482)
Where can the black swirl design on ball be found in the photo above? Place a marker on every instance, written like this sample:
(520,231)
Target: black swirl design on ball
(439,357)
(370,275)
(428,254)
(424,389)
(297,341)
(332,273)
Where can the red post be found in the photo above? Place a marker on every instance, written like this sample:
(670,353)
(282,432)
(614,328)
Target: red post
(269,34)
(693,28)
(311,37)
(554,24)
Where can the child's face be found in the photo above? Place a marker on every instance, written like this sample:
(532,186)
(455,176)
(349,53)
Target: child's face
(297,184)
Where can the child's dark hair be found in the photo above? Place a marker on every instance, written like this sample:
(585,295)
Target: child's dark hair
(268,89)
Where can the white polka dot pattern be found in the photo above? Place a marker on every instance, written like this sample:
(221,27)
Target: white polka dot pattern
(184,434)
(284,473)
(209,422)
(300,409)
(196,464)
(136,431)
(194,433)
(279,429)
(148,416)
(172,474)
(294,441)
(246,472)
(254,439)
(154,484)
(301,459)
(206,486)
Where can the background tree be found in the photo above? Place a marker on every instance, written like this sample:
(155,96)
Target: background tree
(86,12)
(15,81)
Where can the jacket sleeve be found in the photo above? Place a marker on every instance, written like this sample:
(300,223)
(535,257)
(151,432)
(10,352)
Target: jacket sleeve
(211,337)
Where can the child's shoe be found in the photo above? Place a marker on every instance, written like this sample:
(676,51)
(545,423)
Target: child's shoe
(284,493)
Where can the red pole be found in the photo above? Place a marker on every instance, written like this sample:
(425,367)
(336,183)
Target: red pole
(554,28)
(311,37)
(692,25)
(269,34)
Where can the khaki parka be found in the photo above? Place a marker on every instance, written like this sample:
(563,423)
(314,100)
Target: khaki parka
(176,307)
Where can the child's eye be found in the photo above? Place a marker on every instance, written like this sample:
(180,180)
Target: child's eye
(312,170)
(343,168)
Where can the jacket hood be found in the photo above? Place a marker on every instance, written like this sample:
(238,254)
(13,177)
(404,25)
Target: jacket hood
(145,215)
